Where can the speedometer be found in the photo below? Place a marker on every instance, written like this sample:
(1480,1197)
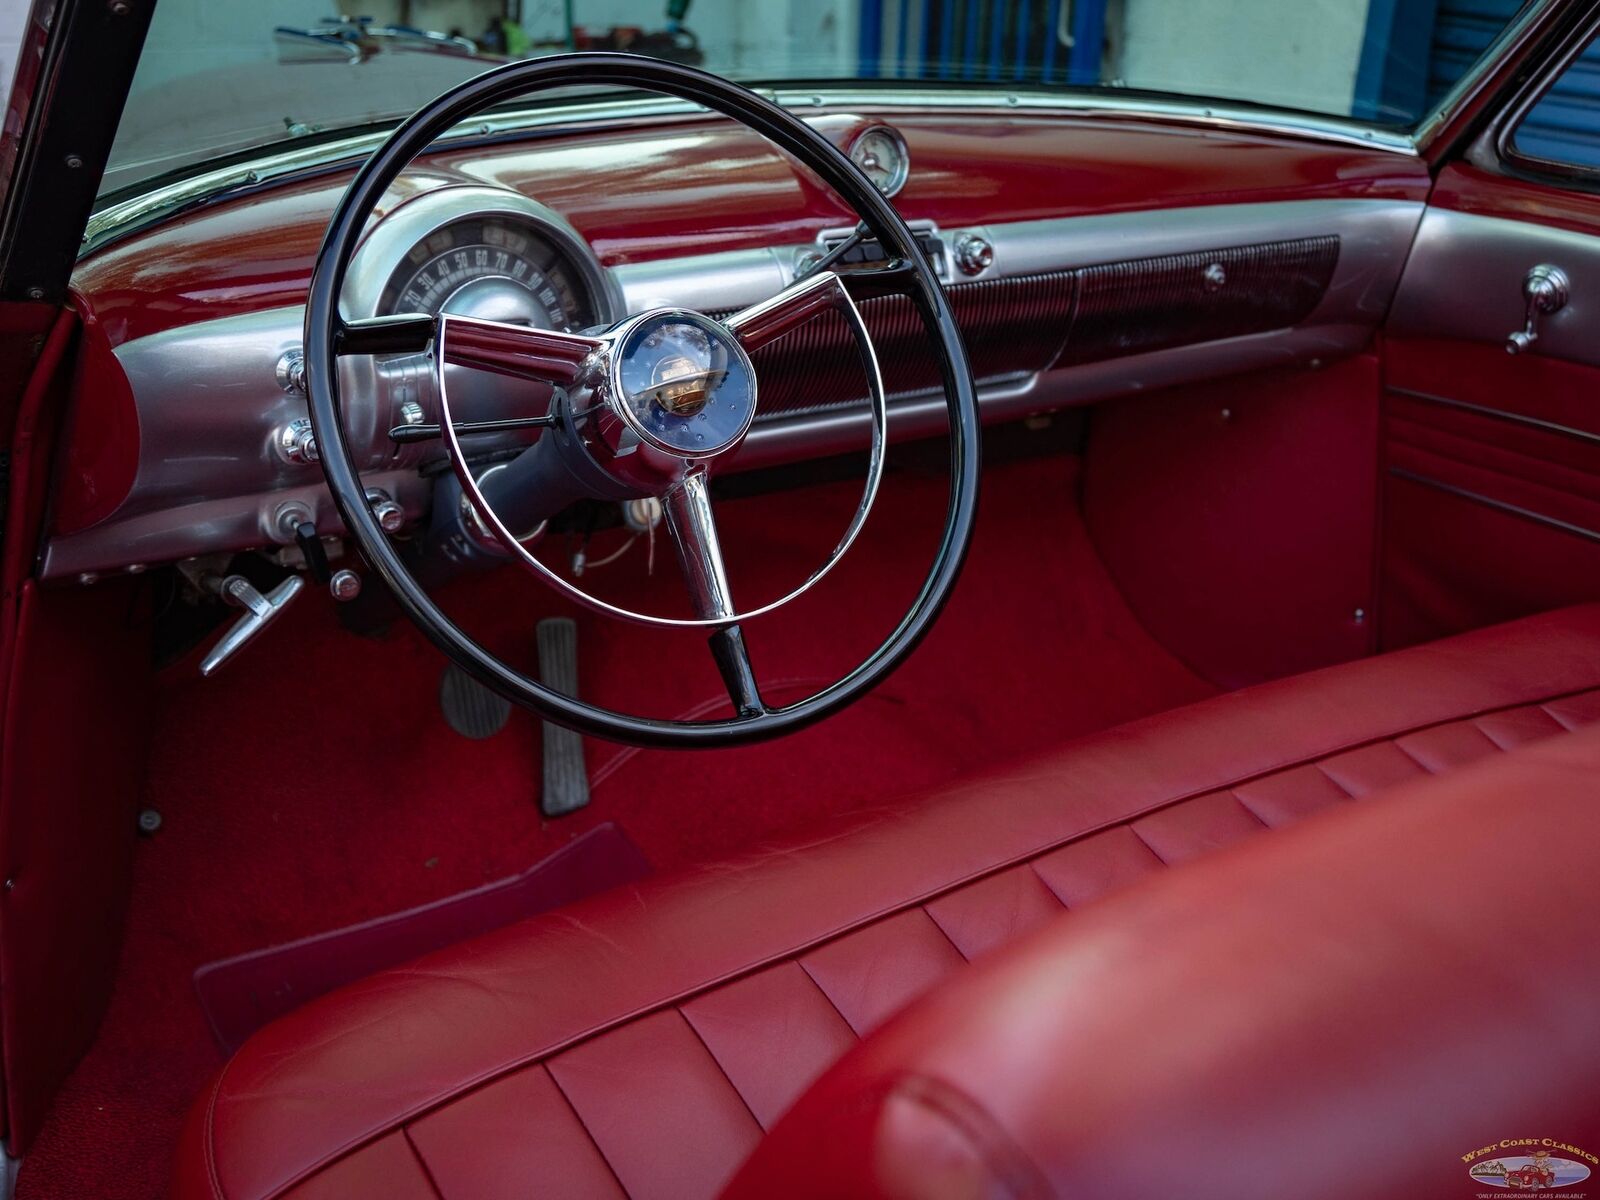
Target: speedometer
(492,267)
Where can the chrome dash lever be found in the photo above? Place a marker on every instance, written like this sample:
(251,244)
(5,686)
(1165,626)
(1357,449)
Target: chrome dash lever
(260,611)
(1546,290)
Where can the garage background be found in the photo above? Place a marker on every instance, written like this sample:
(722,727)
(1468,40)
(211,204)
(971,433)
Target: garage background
(1383,60)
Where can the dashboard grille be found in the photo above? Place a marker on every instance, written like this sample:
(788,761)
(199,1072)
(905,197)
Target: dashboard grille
(1016,327)
(1157,303)
(1013,327)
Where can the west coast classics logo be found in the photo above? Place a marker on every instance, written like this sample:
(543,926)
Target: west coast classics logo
(1531,1165)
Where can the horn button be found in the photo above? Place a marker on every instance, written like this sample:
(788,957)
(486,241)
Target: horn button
(685,384)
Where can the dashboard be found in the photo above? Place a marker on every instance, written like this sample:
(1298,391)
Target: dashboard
(1083,260)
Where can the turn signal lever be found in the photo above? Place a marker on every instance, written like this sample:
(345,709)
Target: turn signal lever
(260,611)
(1546,290)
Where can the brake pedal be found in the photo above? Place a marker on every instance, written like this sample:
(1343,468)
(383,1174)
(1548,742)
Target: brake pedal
(566,776)
(469,708)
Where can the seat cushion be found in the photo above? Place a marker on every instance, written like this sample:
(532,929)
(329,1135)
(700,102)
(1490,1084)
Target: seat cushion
(1347,1010)
(639,1044)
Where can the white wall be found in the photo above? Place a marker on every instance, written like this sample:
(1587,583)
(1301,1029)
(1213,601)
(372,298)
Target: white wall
(13,20)
(1302,54)
(812,37)
(786,39)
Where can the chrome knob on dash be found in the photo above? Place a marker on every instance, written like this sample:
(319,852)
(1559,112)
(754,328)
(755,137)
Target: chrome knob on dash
(1546,289)
(974,253)
(390,516)
(345,585)
(297,442)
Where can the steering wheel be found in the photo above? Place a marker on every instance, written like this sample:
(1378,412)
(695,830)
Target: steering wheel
(646,408)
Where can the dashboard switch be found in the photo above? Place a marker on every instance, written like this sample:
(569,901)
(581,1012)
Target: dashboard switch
(284,528)
(345,585)
(291,372)
(390,516)
(313,551)
(297,442)
(974,253)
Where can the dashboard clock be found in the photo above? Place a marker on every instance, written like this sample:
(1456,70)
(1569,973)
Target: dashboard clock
(881,153)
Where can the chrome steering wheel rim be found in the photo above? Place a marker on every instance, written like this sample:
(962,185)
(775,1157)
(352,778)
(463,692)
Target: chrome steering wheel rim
(908,272)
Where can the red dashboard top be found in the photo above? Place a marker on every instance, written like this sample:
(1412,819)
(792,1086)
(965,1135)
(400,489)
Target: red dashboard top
(695,185)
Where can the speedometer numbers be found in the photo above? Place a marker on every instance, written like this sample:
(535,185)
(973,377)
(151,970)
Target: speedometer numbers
(461,259)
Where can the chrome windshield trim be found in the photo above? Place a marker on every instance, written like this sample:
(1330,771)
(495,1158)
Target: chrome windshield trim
(1218,113)
(1465,89)
(117,220)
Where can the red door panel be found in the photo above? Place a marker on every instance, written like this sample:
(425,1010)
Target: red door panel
(1492,460)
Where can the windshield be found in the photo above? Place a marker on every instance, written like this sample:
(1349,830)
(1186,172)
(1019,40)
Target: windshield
(225,77)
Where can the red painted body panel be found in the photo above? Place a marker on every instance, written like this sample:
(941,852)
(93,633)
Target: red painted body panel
(701,185)
(1469,189)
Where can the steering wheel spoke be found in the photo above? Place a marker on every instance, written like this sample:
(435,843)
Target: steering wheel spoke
(693,529)
(733,661)
(519,351)
(687,507)
(791,308)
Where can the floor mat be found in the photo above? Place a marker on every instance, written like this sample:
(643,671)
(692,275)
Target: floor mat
(310,790)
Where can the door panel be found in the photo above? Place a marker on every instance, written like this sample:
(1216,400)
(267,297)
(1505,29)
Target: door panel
(1492,460)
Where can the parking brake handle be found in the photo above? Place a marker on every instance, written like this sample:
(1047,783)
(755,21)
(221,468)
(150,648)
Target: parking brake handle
(260,611)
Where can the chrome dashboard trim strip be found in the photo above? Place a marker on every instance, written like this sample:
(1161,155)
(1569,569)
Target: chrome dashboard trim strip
(117,220)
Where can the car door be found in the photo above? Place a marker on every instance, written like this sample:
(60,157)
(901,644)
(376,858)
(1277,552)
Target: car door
(1491,411)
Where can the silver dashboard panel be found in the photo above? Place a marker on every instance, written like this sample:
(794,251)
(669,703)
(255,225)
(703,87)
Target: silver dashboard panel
(1464,280)
(209,403)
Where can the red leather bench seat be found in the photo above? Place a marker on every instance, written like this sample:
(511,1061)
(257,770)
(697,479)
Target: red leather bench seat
(1348,1009)
(639,1044)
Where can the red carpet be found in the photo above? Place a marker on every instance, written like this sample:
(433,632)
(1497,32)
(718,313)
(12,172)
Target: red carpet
(315,785)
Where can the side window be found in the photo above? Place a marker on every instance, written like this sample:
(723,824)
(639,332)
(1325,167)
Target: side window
(1562,129)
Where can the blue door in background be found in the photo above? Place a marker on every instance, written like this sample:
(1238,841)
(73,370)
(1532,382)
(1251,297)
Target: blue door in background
(1414,52)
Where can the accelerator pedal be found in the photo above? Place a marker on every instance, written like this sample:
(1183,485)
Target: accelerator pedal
(471,709)
(566,777)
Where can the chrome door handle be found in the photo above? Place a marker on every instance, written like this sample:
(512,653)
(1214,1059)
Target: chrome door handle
(1546,289)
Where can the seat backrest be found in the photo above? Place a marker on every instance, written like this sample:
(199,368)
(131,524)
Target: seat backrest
(1398,999)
